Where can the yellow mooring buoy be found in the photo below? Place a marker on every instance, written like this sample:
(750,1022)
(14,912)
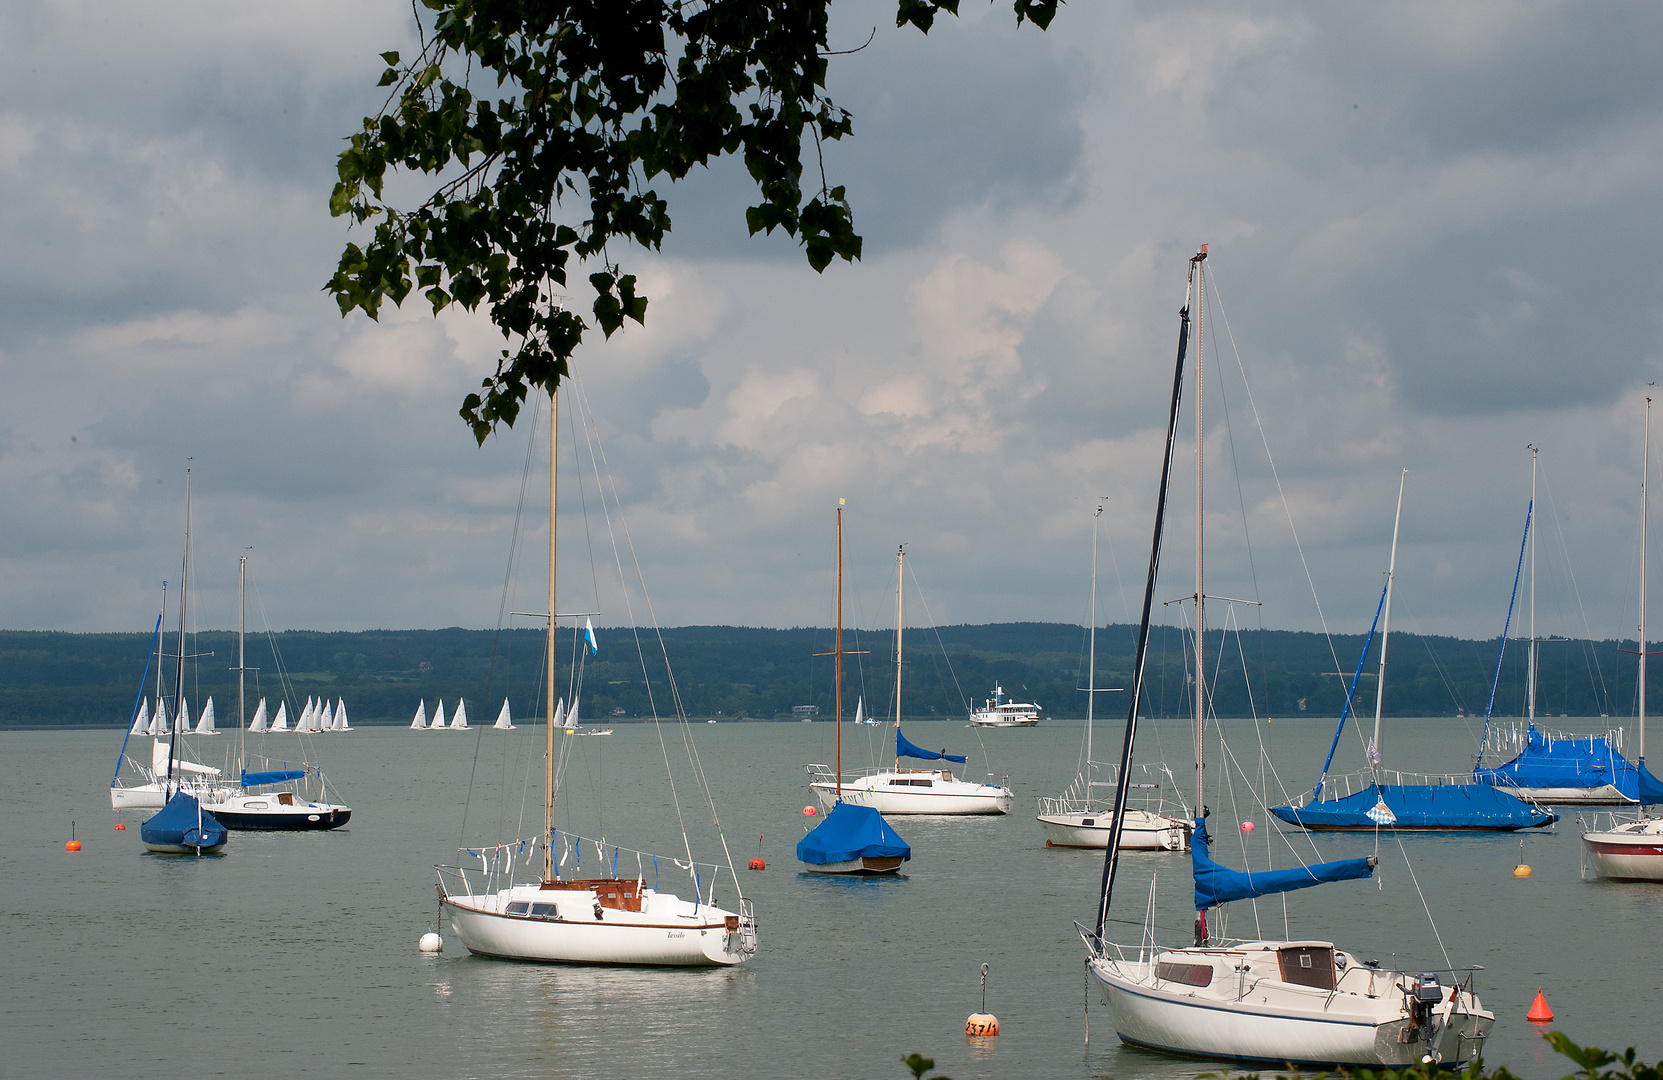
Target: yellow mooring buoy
(1523,869)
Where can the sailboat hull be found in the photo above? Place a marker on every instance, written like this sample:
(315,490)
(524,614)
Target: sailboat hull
(1629,852)
(1140,830)
(1249,1015)
(269,813)
(579,928)
(931,791)
(866,864)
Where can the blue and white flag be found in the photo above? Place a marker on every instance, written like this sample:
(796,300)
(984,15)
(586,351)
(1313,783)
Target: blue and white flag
(589,636)
(1382,814)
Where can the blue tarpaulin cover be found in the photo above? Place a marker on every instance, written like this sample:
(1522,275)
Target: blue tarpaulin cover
(255,779)
(850,832)
(183,821)
(1215,884)
(1573,761)
(903,748)
(1421,806)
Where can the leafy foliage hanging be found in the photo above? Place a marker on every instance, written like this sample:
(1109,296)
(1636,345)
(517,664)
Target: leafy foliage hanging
(589,101)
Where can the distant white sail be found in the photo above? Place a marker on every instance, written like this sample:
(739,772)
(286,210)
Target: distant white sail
(340,715)
(459,718)
(205,726)
(439,716)
(571,715)
(282,721)
(560,714)
(504,722)
(326,717)
(308,716)
(420,721)
(182,719)
(158,722)
(860,711)
(142,724)
(259,721)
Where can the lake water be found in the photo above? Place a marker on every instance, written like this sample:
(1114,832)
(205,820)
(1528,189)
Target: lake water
(296,954)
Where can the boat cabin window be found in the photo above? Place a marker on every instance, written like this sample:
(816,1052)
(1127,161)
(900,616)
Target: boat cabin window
(1087,823)
(545,911)
(285,798)
(1307,965)
(911,783)
(261,805)
(518,907)
(1188,974)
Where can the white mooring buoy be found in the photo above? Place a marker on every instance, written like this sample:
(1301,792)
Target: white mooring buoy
(430,942)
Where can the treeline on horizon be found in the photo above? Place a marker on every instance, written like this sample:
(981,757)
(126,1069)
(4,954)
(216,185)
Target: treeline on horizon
(54,678)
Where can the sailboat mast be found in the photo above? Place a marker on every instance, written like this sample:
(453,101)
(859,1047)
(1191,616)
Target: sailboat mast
(1645,474)
(1386,626)
(839,646)
(900,560)
(179,671)
(1117,819)
(1530,674)
(1091,662)
(1200,523)
(161,655)
(548,726)
(242,690)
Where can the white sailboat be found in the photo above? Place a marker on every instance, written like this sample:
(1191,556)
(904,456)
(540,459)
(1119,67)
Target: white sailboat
(1080,817)
(326,716)
(505,722)
(281,722)
(340,715)
(420,722)
(260,722)
(909,791)
(1300,1002)
(601,920)
(205,726)
(1631,848)
(438,717)
(142,724)
(459,718)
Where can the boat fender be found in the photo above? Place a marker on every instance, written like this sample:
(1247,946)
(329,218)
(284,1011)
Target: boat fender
(598,913)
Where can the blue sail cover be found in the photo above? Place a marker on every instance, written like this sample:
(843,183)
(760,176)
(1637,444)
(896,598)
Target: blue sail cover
(1430,807)
(1215,884)
(903,748)
(1578,761)
(183,821)
(851,832)
(255,779)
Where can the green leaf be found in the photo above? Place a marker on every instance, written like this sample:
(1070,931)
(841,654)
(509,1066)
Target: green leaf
(390,57)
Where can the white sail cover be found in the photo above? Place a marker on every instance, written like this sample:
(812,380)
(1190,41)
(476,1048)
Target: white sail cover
(158,763)
(142,724)
(459,718)
(439,716)
(340,715)
(259,721)
(205,726)
(505,722)
(282,721)
(420,721)
(326,717)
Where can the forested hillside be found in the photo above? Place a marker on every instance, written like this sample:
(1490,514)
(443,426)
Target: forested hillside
(51,678)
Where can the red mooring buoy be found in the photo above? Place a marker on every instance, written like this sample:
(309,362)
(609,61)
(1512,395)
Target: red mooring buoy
(758,864)
(809,811)
(121,828)
(1539,1012)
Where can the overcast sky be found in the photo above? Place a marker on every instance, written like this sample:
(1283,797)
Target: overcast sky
(1433,231)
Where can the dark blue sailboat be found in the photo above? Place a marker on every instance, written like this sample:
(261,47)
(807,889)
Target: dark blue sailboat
(853,840)
(1423,807)
(182,827)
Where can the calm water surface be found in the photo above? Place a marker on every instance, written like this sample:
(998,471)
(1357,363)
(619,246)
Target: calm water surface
(297,954)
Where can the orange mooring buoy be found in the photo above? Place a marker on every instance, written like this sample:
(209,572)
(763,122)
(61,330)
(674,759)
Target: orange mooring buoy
(73,845)
(120,828)
(758,864)
(1539,1012)
(809,811)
